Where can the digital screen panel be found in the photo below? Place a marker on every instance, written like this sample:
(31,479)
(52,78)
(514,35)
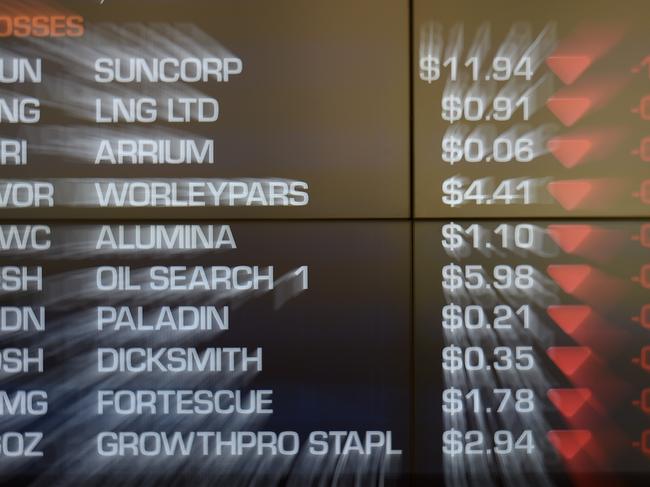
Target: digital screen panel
(256,354)
(363,242)
(195,109)
(530,109)
(531,353)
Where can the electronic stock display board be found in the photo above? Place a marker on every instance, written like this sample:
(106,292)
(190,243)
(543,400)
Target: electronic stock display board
(292,242)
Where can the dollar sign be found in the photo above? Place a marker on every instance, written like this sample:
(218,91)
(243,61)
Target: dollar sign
(452,108)
(452,317)
(452,236)
(451,358)
(452,277)
(452,150)
(452,442)
(452,400)
(454,191)
(429,68)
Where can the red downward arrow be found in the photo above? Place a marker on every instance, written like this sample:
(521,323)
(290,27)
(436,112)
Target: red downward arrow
(569,442)
(568,68)
(569,401)
(569,317)
(570,193)
(570,237)
(568,109)
(569,359)
(569,151)
(569,277)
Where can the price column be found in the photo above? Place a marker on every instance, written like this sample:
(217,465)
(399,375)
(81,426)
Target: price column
(489,362)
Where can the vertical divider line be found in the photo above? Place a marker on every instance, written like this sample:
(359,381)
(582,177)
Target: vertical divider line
(411,467)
